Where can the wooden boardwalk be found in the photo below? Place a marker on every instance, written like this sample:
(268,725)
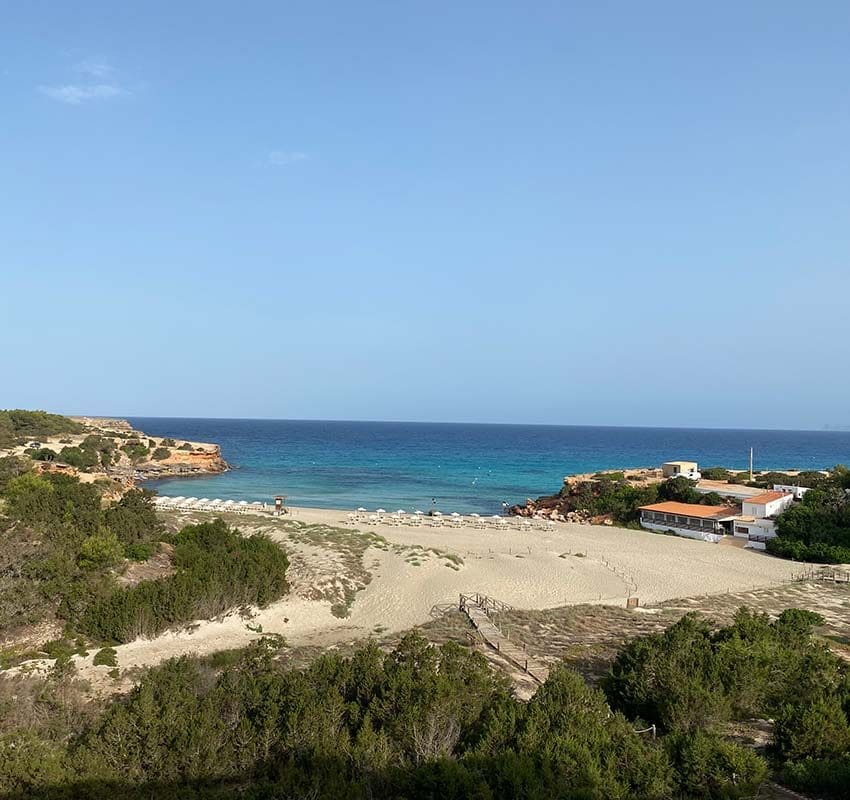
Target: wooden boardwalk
(832,574)
(478,608)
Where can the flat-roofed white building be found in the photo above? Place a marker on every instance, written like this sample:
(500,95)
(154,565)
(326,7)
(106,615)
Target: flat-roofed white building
(797,491)
(694,521)
(675,469)
(767,504)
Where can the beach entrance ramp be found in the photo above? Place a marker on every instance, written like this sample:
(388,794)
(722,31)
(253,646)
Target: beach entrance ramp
(480,608)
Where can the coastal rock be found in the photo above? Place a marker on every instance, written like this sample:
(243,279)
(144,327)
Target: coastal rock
(104,423)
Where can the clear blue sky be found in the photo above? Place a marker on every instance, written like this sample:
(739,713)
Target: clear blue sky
(589,213)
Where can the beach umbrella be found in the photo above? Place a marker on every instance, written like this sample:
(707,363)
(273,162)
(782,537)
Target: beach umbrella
(477,516)
(380,511)
(437,514)
(496,517)
(418,512)
(243,502)
(361,509)
(401,511)
(455,514)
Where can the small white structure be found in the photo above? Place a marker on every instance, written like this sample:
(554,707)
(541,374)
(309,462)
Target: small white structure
(694,521)
(767,504)
(683,469)
(797,491)
(755,531)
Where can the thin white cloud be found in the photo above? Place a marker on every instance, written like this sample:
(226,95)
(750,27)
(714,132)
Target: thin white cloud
(285,158)
(95,68)
(77,94)
(96,81)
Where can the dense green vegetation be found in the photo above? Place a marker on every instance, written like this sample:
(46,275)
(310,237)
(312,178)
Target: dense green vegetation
(691,681)
(613,494)
(11,467)
(424,722)
(63,548)
(216,569)
(17,426)
(817,528)
(59,543)
(136,451)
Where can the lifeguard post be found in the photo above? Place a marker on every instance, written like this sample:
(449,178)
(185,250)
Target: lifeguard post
(280,505)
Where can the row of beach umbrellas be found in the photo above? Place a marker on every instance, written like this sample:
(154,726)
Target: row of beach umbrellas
(206,504)
(438,518)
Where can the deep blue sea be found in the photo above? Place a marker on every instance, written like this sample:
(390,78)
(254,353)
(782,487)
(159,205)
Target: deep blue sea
(461,467)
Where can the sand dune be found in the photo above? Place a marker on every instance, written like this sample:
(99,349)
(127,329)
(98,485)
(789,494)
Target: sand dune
(526,569)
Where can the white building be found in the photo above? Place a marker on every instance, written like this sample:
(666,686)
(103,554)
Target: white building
(684,469)
(767,504)
(756,521)
(755,531)
(797,491)
(694,521)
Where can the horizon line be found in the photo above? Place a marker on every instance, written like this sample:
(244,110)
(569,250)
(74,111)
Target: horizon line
(825,429)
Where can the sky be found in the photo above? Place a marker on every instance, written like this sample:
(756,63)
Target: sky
(608,213)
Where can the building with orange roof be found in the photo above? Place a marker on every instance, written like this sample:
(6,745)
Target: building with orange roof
(767,504)
(695,521)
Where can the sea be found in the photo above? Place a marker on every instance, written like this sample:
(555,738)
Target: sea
(456,467)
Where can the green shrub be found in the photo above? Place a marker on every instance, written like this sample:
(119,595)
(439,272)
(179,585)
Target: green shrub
(59,649)
(101,551)
(813,729)
(825,777)
(708,766)
(160,453)
(610,476)
(716,473)
(133,517)
(29,764)
(77,457)
(106,657)
(135,451)
(216,569)
(139,551)
(11,467)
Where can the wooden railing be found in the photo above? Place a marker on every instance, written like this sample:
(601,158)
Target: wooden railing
(489,604)
(479,608)
(831,574)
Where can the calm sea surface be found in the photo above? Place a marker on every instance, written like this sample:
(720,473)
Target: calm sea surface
(463,467)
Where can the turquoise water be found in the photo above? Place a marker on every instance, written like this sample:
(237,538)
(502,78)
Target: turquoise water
(456,467)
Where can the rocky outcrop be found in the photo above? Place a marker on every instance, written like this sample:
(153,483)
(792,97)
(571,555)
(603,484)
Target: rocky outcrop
(204,459)
(583,492)
(104,423)
(552,507)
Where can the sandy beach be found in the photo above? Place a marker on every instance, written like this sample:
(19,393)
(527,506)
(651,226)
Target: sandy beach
(396,576)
